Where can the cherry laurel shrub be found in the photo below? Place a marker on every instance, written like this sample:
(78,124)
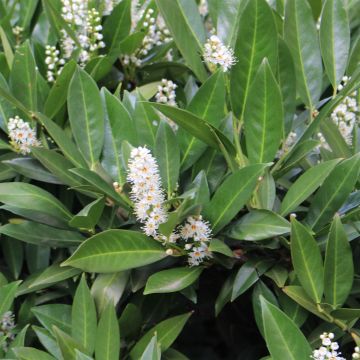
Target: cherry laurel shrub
(179,179)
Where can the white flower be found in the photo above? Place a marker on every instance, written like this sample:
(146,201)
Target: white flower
(54,63)
(166,95)
(22,136)
(203,8)
(7,325)
(146,191)
(198,254)
(109,6)
(289,142)
(328,349)
(215,52)
(196,228)
(356,354)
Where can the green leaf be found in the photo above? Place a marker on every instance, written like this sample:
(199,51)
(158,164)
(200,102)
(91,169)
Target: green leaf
(283,338)
(23,77)
(9,55)
(28,196)
(58,92)
(256,39)
(244,279)
(338,267)
(66,344)
(152,350)
(346,314)
(119,126)
(307,261)
(167,154)
(28,353)
(232,195)
(220,247)
(172,280)
(302,40)
(39,234)
(208,104)
(48,341)
(54,314)
(333,192)
(184,22)
(263,116)
(116,250)
(63,141)
(259,225)
(83,317)
(167,331)
(196,127)
(117,26)
(107,345)
(334,39)
(7,296)
(86,115)
(89,216)
(305,185)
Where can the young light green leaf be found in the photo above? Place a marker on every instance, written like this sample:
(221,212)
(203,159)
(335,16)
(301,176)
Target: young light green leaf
(305,185)
(184,22)
(86,115)
(302,40)
(107,345)
(307,261)
(232,195)
(83,317)
(28,353)
(333,192)
(259,225)
(256,39)
(334,39)
(116,250)
(167,154)
(263,116)
(338,267)
(167,331)
(172,280)
(283,338)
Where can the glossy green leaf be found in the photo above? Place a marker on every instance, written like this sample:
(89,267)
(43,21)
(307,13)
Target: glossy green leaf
(208,104)
(9,55)
(66,344)
(48,341)
(58,93)
(302,40)
(283,338)
(116,250)
(167,154)
(152,350)
(107,345)
(338,266)
(172,280)
(86,115)
(184,22)
(23,77)
(220,247)
(39,234)
(28,196)
(83,317)
(334,39)
(259,225)
(263,116)
(307,260)
(333,192)
(167,331)
(256,39)
(232,195)
(7,296)
(305,185)
(119,126)
(28,353)
(244,279)
(89,216)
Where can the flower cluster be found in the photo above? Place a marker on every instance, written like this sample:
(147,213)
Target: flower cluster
(215,52)
(22,136)
(197,230)
(146,190)
(345,115)
(54,63)
(356,353)
(166,95)
(149,207)
(109,6)
(7,325)
(203,8)
(328,350)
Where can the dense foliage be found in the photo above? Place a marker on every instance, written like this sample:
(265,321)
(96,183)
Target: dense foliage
(179,179)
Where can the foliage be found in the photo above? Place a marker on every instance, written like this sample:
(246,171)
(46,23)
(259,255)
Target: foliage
(170,164)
